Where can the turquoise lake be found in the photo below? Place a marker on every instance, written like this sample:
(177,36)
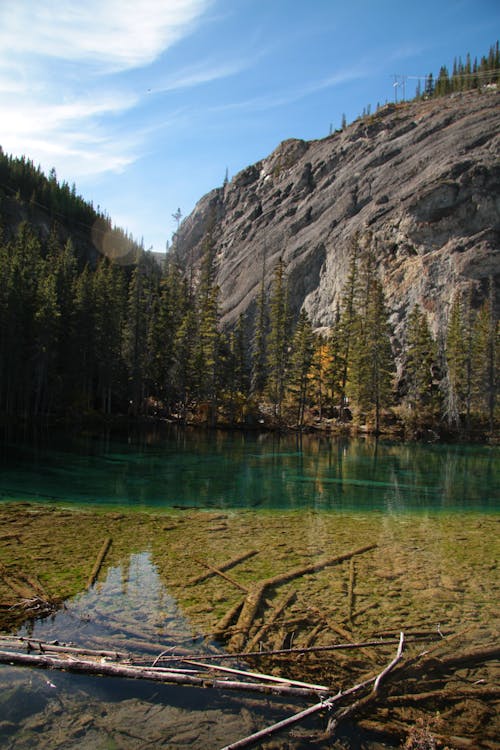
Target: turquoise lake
(168,467)
(430,509)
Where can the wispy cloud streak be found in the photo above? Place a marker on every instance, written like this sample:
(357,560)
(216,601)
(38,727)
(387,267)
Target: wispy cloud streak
(61,93)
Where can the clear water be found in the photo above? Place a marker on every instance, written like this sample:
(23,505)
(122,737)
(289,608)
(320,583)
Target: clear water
(450,491)
(175,467)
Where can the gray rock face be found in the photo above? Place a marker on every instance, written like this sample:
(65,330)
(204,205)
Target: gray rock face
(419,181)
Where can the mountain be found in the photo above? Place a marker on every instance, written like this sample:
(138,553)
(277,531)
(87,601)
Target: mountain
(419,182)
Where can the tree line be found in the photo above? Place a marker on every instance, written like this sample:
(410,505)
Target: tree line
(79,339)
(465,76)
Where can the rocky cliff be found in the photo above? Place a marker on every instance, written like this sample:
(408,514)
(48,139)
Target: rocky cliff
(420,181)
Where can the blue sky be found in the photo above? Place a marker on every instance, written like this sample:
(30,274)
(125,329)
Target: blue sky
(144,104)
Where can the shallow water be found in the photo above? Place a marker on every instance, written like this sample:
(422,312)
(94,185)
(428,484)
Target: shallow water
(431,509)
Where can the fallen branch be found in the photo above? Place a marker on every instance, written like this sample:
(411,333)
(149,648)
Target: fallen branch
(135,672)
(276,612)
(99,561)
(297,650)
(247,615)
(253,739)
(362,702)
(391,665)
(224,623)
(317,566)
(223,567)
(445,696)
(43,647)
(258,675)
(350,591)
(217,571)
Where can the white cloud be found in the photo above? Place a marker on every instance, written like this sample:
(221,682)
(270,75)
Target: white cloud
(275,99)
(112,34)
(62,103)
(196,75)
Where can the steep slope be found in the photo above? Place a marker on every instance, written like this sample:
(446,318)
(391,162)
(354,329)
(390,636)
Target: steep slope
(420,181)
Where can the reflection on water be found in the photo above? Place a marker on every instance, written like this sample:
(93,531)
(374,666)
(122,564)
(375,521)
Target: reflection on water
(131,600)
(130,610)
(188,468)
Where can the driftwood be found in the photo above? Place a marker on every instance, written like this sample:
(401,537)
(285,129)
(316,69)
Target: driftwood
(219,572)
(258,675)
(225,566)
(298,650)
(22,585)
(43,647)
(280,607)
(255,595)
(350,591)
(317,566)
(135,672)
(225,622)
(99,561)
(247,615)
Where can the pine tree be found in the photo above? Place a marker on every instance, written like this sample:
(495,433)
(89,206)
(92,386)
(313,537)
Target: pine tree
(486,361)
(373,367)
(278,339)
(345,328)
(209,332)
(420,368)
(301,358)
(184,368)
(455,358)
(259,353)
(80,393)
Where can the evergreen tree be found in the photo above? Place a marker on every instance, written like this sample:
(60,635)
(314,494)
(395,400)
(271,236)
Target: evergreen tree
(301,357)
(208,343)
(46,321)
(278,339)
(259,353)
(184,368)
(320,367)
(486,356)
(420,368)
(338,349)
(455,358)
(80,391)
(169,308)
(345,329)
(373,367)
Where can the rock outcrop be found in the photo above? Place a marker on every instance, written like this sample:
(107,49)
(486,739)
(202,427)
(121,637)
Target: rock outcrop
(420,181)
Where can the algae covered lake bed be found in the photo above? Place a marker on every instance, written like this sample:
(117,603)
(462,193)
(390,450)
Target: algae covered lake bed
(424,572)
(204,543)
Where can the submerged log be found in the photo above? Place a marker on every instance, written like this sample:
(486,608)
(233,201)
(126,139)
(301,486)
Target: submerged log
(18,583)
(247,615)
(225,622)
(326,562)
(255,595)
(218,572)
(135,672)
(280,607)
(99,561)
(225,566)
